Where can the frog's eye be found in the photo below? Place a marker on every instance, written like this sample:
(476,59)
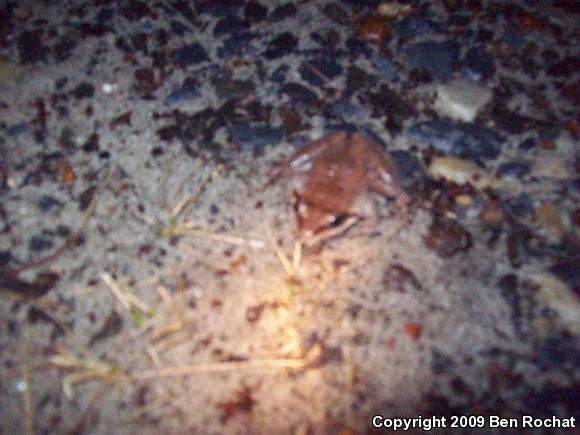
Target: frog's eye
(301,207)
(336,219)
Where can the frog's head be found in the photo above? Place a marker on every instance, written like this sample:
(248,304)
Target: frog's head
(316,224)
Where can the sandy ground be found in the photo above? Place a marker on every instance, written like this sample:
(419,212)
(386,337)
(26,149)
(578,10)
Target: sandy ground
(144,284)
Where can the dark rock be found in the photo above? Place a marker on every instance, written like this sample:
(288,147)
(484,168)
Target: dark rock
(508,121)
(214,209)
(551,399)
(36,315)
(282,12)
(291,119)
(187,91)
(508,285)
(410,27)
(409,167)
(228,89)
(299,94)
(124,46)
(140,42)
(112,326)
(18,129)
(279,76)
(135,10)
(145,80)
(105,15)
(387,101)
(93,29)
(63,50)
(84,90)
(62,230)
(520,243)
(5,258)
(385,67)
(357,79)
(464,140)
(39,243)
(86,197)
(344,109)
(514,169)
(281,45)
(255,137)
(218,7)
(556,351)
(564,68)
(513,38)
(30,48)
(436,57)
(190,54)
(66,138)
(328,41)
(237,44)
(356,46)
(478,65)
(528,144)
(447,237)
(336,13)
(361,5)
(569,272)
(228,24)
(60,83)
(255,12)
(521,206)
(123,119)
(400,279)
(440,363)
(167,134)
(92,144)
(178,28)
(47,203)
(317,71)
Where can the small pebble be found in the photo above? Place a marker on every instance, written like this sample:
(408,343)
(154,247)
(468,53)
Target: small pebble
(374,28)
(466,140)
(110,88)
(438,58)
(47,203)
(461,100)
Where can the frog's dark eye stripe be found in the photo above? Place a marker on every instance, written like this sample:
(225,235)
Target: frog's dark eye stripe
(339,219)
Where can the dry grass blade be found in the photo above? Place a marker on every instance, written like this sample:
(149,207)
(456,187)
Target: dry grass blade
(288,267)
(183,206)
(124,294)
(220,367)
(85,370)
(297,256)
(28,407)
(192,229)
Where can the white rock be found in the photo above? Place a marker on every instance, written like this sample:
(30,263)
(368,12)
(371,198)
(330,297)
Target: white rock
(461,100)
(462,172)
(551,166)
(558,296)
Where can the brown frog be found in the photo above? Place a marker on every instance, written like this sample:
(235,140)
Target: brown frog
(332,180)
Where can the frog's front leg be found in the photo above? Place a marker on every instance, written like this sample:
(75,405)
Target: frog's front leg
(383,176)
(365,208)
